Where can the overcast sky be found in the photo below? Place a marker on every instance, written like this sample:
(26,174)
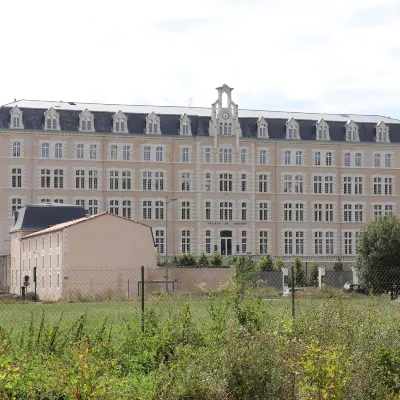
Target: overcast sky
(309,55)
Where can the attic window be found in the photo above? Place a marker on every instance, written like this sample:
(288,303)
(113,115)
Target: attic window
(153,124)
(185,128)
(262,128)
(120,122)
(16,118)
(86,121)
(382,133)
(292,129)
(322,130)
(352,132)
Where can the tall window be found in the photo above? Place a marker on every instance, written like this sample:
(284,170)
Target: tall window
(159,181)
(58,179)
(79,151)
(207,183)
(261,131)
(322,133)
(185,242)
(244,211)
(348,243)
(243,156)
(207,155)
(127,209)
(114,207)
(225,155)
(377,160)
(208,210)
(185,210)
(185,154)
(263,211)
(328,158)
(263,156)
(185,185)
(159,154)
(93,152)
(58,150)
(299,212)
(16,121)
(114,180)
(208,242)
(147,180)
(348,213)
(263,242)
(287,158)
(298,184)
(263,183)
(358,185)
(126,152)
(159,241)
(288,242)
(299,243)
(382,135)
(146,153)
(80,179)
(225,182)
(225,211)
(388,186)
(287,211)
(159,209)
(185,129)
(317,158)
(45,178)
(114,152)
(93,179)
(347,159)
(243,182)
(93,207)
(243,242)
(16,204)
(45,150)
(358,160)
(317,212)
(388,160)
(347,184)
(147,209)
(80,202)
(358,213)
(120,125)
(377,184)
(328,184)
(16,177)
(287,184)
(299,158)
(317,184)
(351,134)
(318,242)
(16,149)
(126,180)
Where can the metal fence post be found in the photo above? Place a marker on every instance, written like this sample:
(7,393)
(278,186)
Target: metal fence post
(292,271)
(35,281)
(142,283)
(128,289)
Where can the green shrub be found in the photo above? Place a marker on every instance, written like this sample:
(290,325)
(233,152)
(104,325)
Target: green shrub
(266,263)
(187,260)
(216,260)
(203,261)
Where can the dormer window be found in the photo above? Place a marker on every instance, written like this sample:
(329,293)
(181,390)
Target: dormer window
(262,128)
(16,118)
(153,124)
(185,128)
(120,123)
(352,132)
(382,133)
(86,121)
(51,120)
(322,130)
(292,129)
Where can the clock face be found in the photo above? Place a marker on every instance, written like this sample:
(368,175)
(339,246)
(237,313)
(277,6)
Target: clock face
(225,115)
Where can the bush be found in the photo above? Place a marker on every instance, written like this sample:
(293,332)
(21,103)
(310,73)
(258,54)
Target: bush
(338,266)
(203,261)
(187,260)
(266,263)
(313,275)
(279,264)
(216,260)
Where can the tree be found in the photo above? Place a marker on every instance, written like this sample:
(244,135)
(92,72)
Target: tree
(278,264)
(203,261)
(378,261)
(247,273)
(299,275)
(265,263)
(313,275)
(338,266)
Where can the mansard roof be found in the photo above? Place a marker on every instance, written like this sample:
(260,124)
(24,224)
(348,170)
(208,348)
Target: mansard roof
(170,116)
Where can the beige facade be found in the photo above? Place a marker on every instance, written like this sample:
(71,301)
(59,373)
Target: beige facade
(92,257)
(235,193)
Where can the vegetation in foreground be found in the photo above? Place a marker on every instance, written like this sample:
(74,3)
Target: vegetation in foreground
(342,347)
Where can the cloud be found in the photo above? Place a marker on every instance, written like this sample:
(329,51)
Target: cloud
(312,55)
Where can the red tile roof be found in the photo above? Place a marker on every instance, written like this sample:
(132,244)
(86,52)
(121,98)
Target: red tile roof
(64,225)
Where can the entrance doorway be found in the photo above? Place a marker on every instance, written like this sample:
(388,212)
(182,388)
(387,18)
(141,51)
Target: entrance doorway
(226,243)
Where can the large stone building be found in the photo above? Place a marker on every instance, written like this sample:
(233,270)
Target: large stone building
(245,181)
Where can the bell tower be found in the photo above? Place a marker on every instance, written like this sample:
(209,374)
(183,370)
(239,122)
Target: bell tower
(224,118)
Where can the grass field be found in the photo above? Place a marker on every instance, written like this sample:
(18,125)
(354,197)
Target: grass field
(218,347)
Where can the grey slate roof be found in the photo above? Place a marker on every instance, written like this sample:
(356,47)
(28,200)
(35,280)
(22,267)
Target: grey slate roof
(33,119)
(41,216)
